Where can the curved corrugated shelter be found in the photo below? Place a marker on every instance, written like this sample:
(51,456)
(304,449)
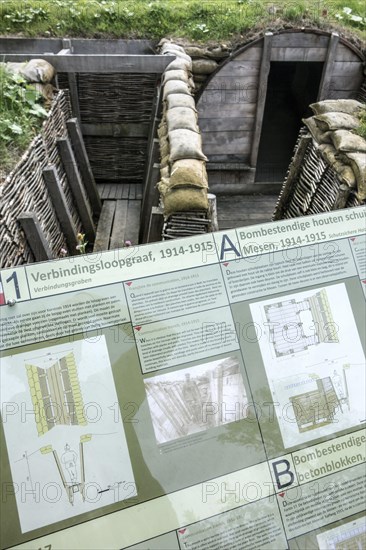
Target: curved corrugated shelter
(250,109)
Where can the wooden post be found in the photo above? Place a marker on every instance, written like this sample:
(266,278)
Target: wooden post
(74,95)
(73,176)
(150,195)
(105,226)
(155,225)
(328,67)
(59,202)
(35,236)
(212,212)
(81,155)
(262,94)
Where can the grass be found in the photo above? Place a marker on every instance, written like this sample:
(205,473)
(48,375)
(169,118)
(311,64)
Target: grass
(21,117)
(202,20)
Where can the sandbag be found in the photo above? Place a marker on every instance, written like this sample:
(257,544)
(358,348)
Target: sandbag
(179,74)
(162,130)
(204,66)
(328,152)
(317,135)
(163,186)
(185,144)
(38,70)
(180,63)
(164,161)
(180,100)
(164,172)
(164,147)
(185,199)
(177,53)
(171,46)
(344,140)
(182,117)
(357,161)
(189,171)
(349,106)
(175,87)
(336,121)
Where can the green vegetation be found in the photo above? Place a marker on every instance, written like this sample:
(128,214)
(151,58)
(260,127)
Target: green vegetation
(361,130)
(198,20)
(21,116)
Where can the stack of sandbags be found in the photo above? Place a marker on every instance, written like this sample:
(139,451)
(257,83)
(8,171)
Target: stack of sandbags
(333,129)
(38,72)
(183,185)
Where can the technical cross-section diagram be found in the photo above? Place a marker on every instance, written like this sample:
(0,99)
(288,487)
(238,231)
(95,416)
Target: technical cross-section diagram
(56,394)
(287,327)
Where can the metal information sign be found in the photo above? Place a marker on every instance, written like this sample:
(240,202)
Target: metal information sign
(198,394)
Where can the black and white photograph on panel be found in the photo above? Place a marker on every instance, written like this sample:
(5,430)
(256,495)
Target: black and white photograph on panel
(196,398)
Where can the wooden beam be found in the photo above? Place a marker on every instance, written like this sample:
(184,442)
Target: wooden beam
(104,226)
(99,63)
(150,195)
(35,236)
(82,159)
(262,94)
(77,188)
(156,223)
(63,213)
(325,82)
(74,95)
(119,235)
(116,130)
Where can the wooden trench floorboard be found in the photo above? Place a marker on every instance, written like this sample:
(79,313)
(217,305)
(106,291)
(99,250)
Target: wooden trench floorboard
(242,210)
(119,221)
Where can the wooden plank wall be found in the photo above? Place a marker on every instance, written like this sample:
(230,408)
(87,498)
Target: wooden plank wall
(227,106)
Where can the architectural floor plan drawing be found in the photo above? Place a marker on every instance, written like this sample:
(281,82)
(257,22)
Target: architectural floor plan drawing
(56,394)
(62,431)
(286,323)
(314,361)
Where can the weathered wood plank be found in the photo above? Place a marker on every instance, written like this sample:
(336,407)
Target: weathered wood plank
(298,54)
(74,95)
(262,84)
(156,223)
(344,53)
(244,110)
(150,195)
(76,185)
(342,94)
(239,68)
(125,190)
(35,236)
(240,96)
(251,53)
(325,83)
(63,213)
(84,164)
(233,83)
(112,46)
(226,142)
(133,221)
(351,82)
(138,187)
(99,63)
(30,45)
(132,191)
(118,235)
(116,130)
(102,237)
(300,40)
(347,68)
(227,124)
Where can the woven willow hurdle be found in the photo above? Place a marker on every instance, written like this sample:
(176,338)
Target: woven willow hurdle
(24,190)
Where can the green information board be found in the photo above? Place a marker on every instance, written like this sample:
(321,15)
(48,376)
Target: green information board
(200,394)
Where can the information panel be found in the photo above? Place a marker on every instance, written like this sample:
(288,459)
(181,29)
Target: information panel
(205,393)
